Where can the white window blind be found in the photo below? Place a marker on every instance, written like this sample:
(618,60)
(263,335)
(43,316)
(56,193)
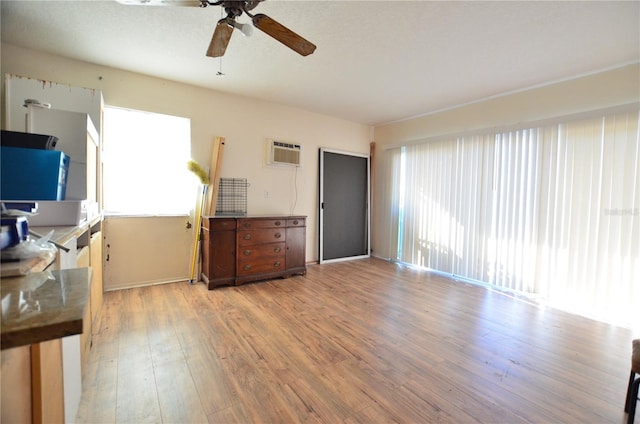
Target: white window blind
(551,211)
(145,163)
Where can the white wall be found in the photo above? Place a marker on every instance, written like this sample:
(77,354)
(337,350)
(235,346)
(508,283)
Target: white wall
(244,122)
(601,90)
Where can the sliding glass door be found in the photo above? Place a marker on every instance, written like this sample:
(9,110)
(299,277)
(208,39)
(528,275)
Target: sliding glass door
(552,211)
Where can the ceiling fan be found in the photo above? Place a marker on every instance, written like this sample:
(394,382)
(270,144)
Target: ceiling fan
(225,26)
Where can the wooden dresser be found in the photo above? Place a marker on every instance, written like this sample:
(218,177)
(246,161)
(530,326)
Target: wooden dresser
(238,250)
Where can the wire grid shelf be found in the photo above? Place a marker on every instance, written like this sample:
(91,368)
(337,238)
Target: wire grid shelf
(232,196)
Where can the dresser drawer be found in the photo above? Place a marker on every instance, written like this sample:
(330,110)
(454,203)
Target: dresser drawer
(260,265)
(262,250)
(246,224)
(220,224)
(267,235)
(296,222)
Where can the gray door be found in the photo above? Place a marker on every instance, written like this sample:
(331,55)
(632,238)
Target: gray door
(344,206)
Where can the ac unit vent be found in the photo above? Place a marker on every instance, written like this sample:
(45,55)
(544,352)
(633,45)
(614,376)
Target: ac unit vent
(281,153)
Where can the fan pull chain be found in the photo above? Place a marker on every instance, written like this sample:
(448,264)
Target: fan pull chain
(220,73)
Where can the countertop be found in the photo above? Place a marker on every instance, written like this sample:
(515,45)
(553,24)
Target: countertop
(62,234)
(43,306)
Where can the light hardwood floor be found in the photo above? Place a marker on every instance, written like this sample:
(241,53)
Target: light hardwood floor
(365,341)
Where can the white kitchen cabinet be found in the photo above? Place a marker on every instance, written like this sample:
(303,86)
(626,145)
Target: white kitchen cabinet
(78,138)
(84,249)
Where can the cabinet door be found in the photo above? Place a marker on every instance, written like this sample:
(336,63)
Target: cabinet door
(296,244)
(15,390)
(222,259)
(218,251)
(48,390)
(84,261)
(96,280)
(205,250)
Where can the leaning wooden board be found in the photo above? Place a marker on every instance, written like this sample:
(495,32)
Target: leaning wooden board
(214,175)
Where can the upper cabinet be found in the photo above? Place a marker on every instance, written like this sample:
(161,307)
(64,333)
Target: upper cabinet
(73,115)
(59,96)
(78,138)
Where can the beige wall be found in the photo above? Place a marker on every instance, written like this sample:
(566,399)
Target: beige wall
(244,122)
(612,88)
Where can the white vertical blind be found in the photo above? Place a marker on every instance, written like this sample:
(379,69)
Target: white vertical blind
(515,209)
(472,210)
(552,211)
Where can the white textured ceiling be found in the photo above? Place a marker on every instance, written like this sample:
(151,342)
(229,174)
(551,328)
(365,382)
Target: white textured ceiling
(376,61)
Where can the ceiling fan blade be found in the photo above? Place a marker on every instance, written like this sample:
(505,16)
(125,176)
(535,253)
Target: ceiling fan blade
(220,39)
(283,34)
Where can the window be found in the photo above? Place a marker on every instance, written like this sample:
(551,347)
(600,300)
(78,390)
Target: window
(145,163)
(551,211)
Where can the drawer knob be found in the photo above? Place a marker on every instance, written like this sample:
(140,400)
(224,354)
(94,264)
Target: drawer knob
(295,222)
(247,267)
(277,249)
(247,252)
(277,223)
(277,235)
(277,264)
(225,224)
(247,224)
(247,236)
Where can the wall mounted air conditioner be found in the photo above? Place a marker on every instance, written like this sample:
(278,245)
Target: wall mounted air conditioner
(283,153)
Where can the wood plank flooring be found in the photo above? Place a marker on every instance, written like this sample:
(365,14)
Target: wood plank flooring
(364,341)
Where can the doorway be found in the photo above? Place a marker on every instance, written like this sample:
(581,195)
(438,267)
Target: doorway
(344,206)
(148,195)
